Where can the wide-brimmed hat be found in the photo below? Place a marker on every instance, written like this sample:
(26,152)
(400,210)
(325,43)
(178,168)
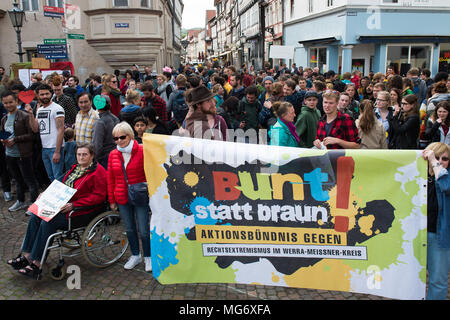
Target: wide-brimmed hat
(200,94)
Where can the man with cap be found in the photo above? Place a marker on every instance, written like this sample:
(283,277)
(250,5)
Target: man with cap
(306,125)
(202,121)
(102,137)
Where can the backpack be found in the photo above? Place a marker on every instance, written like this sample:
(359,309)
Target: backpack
(180,107)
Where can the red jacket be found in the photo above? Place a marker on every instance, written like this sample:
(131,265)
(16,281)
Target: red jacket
(117,186)
(91,189)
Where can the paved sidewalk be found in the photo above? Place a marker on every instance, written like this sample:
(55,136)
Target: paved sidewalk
(116,283)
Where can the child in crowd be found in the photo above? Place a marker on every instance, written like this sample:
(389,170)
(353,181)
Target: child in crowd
(70,147)
(140,125)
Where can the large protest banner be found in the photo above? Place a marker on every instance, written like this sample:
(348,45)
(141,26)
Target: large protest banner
(349,220)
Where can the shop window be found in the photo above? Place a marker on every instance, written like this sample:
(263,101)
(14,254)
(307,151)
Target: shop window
(444,58)
(403,58)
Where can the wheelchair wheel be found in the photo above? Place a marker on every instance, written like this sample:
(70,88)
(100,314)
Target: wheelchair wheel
(104,241)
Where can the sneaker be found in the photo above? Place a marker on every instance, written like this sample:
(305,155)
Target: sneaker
(7,196)
(18,206)
(133,262)
(148,264)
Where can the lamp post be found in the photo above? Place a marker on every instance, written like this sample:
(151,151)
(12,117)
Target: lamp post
(17,16)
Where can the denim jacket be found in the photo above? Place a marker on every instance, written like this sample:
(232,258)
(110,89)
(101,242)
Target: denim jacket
(443,220)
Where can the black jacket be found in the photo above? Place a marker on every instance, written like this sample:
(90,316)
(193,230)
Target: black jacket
(404,133)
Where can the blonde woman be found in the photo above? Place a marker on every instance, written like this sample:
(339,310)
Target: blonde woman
(126,167)
(110,89)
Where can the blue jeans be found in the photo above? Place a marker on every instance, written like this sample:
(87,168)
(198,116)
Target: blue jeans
(38,232)
(54,170)
(130,215)
(438,266)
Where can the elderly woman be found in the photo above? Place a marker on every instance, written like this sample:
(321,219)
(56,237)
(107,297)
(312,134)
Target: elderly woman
(283,132)
(125,168)
(438,220)
(89,179)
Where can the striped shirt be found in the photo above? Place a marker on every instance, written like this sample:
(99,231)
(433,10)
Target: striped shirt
(84,124)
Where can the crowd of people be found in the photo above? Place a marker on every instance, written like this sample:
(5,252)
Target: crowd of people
(297,107)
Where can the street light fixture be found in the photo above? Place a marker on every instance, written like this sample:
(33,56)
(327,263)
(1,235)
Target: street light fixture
(17,16)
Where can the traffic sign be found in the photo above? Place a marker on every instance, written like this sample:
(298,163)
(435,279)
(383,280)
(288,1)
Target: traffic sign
(55,41)
(75,36)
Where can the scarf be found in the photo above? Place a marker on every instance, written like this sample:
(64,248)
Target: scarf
(127,149)
(292,130)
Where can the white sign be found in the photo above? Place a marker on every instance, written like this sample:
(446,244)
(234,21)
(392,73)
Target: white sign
(72,17)
(26,74)
(282,52)
(50,202)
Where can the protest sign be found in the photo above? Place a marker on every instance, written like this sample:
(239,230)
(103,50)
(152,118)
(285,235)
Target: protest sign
(341,220)
(52,200)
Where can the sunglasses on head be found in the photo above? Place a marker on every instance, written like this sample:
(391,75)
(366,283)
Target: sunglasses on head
(120,138)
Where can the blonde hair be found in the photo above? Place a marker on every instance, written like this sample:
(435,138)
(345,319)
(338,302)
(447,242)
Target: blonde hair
(125,128)
(132,96)
(386,96)
(438,148)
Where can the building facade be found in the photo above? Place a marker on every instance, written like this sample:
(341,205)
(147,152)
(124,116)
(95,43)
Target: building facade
(368,35)
(117,33)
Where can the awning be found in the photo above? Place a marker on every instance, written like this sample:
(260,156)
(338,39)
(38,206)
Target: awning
(403,39)
(321,41)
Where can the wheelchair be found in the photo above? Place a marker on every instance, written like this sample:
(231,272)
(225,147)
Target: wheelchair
(102,242)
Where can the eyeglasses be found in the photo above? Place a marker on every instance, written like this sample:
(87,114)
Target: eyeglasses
(442,158)
(120,138)
(405,103)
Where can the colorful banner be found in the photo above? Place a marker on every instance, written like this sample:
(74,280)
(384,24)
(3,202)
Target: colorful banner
(349,220)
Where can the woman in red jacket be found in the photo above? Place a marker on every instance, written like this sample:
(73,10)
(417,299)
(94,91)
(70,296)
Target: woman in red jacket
(90,181)
(129,155)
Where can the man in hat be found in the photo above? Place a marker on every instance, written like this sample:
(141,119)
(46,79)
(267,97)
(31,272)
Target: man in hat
(306,125)
(202,121)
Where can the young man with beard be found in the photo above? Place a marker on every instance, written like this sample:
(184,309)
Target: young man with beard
(151,99)
(238,90)
(202,120)
(249,108)
(336,130)
(49,123)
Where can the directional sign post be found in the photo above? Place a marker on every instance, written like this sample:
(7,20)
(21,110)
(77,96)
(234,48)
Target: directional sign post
(75,36)
(52,51)
(55,41)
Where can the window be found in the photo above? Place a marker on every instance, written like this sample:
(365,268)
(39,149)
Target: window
(30,5)
(444,58)
(56,3)
(120,3)
(317,57)
(145,3)
(403,58)
(330,3)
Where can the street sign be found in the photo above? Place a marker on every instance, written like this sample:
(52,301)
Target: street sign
(53,12)
(122,25)
(53,51)
(55,41)
(75,36)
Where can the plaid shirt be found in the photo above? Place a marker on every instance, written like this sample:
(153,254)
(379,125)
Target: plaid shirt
(84,124)
(343,127)
(159,105)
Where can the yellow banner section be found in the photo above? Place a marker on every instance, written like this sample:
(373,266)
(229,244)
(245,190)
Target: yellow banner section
(269,235)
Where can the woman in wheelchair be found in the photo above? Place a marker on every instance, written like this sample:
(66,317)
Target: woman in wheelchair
(89,178)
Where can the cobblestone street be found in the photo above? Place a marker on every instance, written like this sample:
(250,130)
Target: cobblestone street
(116,283)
